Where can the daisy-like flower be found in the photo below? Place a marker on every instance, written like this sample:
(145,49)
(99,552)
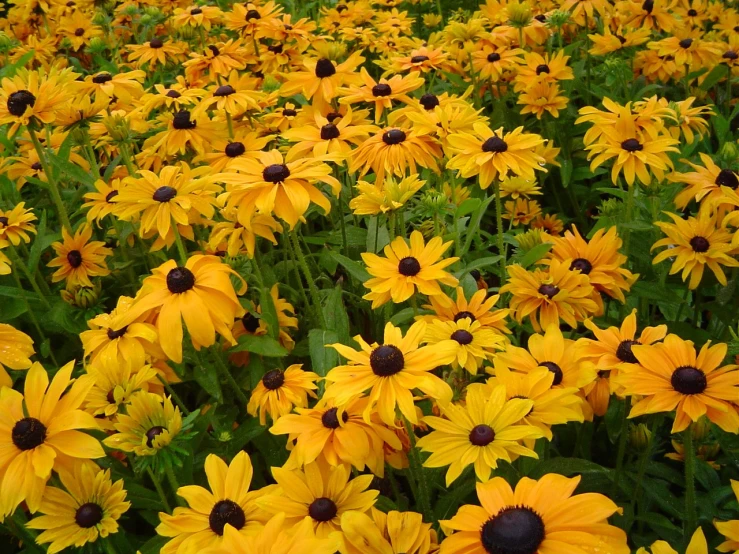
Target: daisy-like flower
(232,237)
(691,52)
(588,10)
(521,211)
(475,343)
(548,223)
(184,130)
(424,60)
(386,196)
(115,384)
(519,187)
(276,185)
(697,545)
(598,258)
(229,502)
(478,308)
(160,201)
(381,93)
(652,15)
(198,17)
(122,86)
(396,151)
(387,533)
(729,529)
(671,375)
(216,60)
(151,423)
(609,42)
(689,121)
(16,349)
(493,62)
(337,434)
(226,151)
(320,493)
(155,52)
(285,319)
(406,268)
(390,372)
(694,244)
(537,68)
(234,94)
(495,154)
(78,29)
(546,296)
(40,433)
(87,511)
(177,96)
(278,392)
(705,182)
(484,430)
(100,204)
(201,293)
(536,518)
(33,94)
(540,97)
(78,258)
(250,18)
(16,223)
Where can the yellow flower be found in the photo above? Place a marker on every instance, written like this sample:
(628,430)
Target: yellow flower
(698,545)
(474,344)
(78,259)
(16,348)
(386,196)
(36,94)
(391,533)
(479,308)
(729,529)
(16,223)
(541,97)
(278,392)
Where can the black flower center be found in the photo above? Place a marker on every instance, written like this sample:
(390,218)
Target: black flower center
(429,101)
(164,194)
(409,266)
(699,244)
(275,48)
(621,39)
(156,43)
(18,101)
(462,336)
(88,515)
(153,433)
(624,353)
(235,149)
(333,116)
(179,280)
(252,14)
(275,173)
(542,68)
(112,335)
(172,94)
(224,90)
(330,418)
(727,178)
(541,18)
(37,166)
(631,145)
(494,144)
(493,57)
(730,55)
(554,368)
(325,68)
(688,380)
(341,8)
(550,291)
(583,265)
(196,11)
(182,120)
(287,112)
(386,360)
(28,433)
(330,131)
(393,136)
(251,323)
(226,512)
(102,78)
(322,509)
(112,194)
(736,29)
(686,43)
(273,380)
(692,12)
(482,435)
(513,530)
(648,6)
(4,221)
(74,258)
(214,50)
(419,59)
(382,90)
(79,31)
(462,315)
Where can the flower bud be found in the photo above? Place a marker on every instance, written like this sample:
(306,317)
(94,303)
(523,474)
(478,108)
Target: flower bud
(519,14)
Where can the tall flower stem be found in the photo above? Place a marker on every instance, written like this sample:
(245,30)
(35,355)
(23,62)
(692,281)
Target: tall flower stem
(174,395)
(109,548)
(621,454)
(18,261)
(182,251)
(226,373)
(416,467)
(499,229)
(126,156)
(312,289)
(230,126)
(53,185)
(690,521)
(645,455)
(172,478)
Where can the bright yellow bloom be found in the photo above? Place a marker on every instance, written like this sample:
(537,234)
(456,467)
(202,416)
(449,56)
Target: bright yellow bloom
(78,258)
(16,349)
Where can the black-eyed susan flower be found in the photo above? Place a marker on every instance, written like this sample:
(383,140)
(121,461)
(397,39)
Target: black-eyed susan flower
(278,392)
(382,93)
(16,349)
(78,29)
(228,502)
(705,182)
(495,154)
(225,152)
(251,18)
(150,424)
(184,130)
(32,94)
(100,204)
(537,68)
(687,51)
(387,533)
(232,237)
(88,510)
(729,529)
(41,432)
(390,371)
(177,96)
(115,384)
(690,122)
(336,434)
(697,545)
(521,211)
(493,62)
(537,517)
(423,59)
(216,60)
(201,293)
(546,296)
(549,224)
(407,268)
(197,17)
(16,224)
(475,344)
(623,38)
(286,321)
(671,375)
(320,493)
(386,196)
(157,51)
(652,14)
(541,97)
(233,94)
(487,428)
(281,186)
(480,308)
(78,258)
(122,86)
(694,244)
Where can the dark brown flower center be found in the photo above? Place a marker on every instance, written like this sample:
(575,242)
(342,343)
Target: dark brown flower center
(330,418)
(624,353)
(226,512)
(493,57)
(393,136)
(727,178)
(275,48)
(429,101)
(179,280)
(88,515)
(182,120)
(382,89)
(112,194)
(686,43)
(554,368)
(419,59)
(550,291)
(273,380)
(409,266)
(164,194)
(276,173)
(692,12)
(463,315)
(172,94)
(730,55)
(330,131)
(74,258)
(196,11)
(542,68)
(28,433)
(18,101)
(482,435)
(224,90)
(79,31)
(688,380)
(322,509)
(156,43)
(581,264)
(462,336)
(214,50)
(102,78)
(631,145)
(325,68)
(513,530)
(251,323)
(287,112)
(648,6)
(37,166)
(494,144)
(112,335)
(153,433)
(699,244)
(4,221)
(333,116)
(253,14)
(235,149)
(386,360)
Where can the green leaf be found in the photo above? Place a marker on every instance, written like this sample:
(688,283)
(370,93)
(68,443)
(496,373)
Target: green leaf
(468,206)
(12,308)
(566,466)
(334,313)
(655,292)
(474,225)
(483,262)
(207,377)
(354,268)
(269,312)
(154,545)
(379,235)
(67,168)
(263,345)
(323,358)
(40,243)
(566,172)
(403,316)
(535,254)
(245,434)
(713,77)
(142,498)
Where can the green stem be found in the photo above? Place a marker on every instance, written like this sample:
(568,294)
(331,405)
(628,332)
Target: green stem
(160,490)
(312,289)
(344,240)
(499,229)
(630,200)
(728,91)
(22,266)
(230,126)
(123,246)
(174,395)
(224,371)
(126,156)
(644,458)
(172,478)
(416,467)
(19,529)
(109,548)
(53,185)
(294,266)
(622,440)
(690,513)
(414,305)
(182,251)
